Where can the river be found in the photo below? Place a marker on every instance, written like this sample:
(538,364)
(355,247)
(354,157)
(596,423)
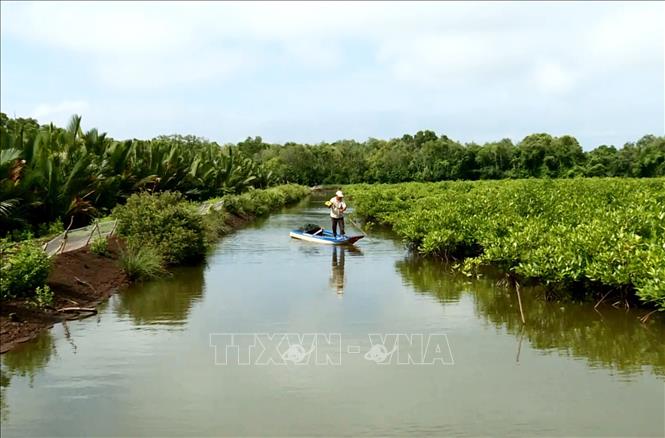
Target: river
(447,355)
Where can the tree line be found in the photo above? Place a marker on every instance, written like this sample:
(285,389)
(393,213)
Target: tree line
(428,157)
(49,173)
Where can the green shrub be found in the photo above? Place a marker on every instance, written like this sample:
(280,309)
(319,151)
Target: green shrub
(141,262)
(100,246)
(21,235)
(51,229)
(238,205)
(215,225)
(252,203)
(25,267)
(164,221)
(43,296)
(262,202)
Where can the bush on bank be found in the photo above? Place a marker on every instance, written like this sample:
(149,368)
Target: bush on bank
(165,221)
(249,204)
(178,230)
(25,267)
(607,231)
(262,202)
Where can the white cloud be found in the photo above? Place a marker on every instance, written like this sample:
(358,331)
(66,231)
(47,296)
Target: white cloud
(314,54)
(59,113)
(423,62)
(629,34)
(163,71)
(439,59)
(551,77)
(95,27)
(421,42)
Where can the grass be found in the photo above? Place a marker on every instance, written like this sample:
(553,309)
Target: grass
(141,262)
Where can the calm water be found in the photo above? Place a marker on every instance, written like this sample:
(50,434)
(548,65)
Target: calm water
(145,365)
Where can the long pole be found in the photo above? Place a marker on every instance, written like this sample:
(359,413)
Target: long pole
(356,225)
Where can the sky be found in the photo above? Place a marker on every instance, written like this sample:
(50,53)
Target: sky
(313,72)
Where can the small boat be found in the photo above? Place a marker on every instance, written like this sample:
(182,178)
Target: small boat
(325,236)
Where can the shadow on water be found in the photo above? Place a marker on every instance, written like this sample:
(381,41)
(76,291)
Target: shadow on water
(165,301)
(607,337)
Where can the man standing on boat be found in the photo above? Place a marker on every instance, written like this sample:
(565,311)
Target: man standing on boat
(337,209)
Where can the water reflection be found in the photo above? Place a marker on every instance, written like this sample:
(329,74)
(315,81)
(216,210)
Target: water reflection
(4,383)
(310,250)
(28,359)
(608,338)
(337,273)
(24,361)
(163,381)
(165,301)
(337,279)
(429,276)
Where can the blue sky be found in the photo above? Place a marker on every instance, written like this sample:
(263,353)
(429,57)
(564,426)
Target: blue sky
(311,72)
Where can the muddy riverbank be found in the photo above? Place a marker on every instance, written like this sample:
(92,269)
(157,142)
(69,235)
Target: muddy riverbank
(78,279)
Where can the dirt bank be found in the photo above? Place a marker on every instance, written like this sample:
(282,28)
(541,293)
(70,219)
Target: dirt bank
(78,279)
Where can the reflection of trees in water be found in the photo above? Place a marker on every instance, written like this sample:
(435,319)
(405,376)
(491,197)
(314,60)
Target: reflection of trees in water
(163,301)
(29,358)
(25,360)
(4,383)
(427,276)
(609,338)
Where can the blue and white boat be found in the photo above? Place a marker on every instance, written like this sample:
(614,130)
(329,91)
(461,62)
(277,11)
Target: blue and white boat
(325,236)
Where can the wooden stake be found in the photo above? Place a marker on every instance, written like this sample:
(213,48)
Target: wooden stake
(115,224)
(519,301)
(87,242)
(64,238)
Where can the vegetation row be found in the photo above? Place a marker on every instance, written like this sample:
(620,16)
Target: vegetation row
(157,229)
(585,234)
(52,174)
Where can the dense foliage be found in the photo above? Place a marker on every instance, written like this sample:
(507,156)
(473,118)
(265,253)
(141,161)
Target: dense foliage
(252,203)
(164,221)
(574,232)
(49,173)
(24,266)
(429,157)
(52,174)
(262,202)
